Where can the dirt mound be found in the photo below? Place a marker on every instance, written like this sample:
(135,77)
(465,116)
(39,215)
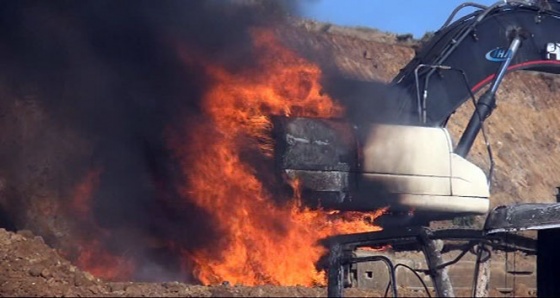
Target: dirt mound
(29,267)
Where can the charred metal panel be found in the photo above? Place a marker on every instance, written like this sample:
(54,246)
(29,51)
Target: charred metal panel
(315,144)
(321,154)
(321,180)
(523,217)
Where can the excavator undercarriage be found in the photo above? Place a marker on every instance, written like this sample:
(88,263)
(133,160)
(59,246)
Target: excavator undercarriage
(406,160)
(498,234)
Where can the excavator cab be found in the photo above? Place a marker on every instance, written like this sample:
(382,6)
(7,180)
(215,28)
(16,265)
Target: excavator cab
(409,169)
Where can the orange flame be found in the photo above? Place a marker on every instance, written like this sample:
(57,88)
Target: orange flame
(95,259)
(263,243)
(83,192)
(92,256)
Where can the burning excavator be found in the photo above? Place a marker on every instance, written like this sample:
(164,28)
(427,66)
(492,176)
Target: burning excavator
(407,161)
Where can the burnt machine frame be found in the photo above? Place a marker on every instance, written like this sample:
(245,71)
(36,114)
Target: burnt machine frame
(498,233)
(500,225)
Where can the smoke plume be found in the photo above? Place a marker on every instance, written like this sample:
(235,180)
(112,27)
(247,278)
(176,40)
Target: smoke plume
(92,87)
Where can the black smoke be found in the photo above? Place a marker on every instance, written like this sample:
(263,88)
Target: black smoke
(108,73)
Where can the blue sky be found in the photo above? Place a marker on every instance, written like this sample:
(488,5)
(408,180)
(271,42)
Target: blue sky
(397,16)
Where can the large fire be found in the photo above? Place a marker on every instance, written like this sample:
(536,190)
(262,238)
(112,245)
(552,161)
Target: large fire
(262,241)
(97,98)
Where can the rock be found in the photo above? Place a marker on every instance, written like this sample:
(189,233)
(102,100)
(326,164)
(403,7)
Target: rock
(94,289)
(172,286)
(89,276)
(68,293)
(35,271)
(135,291)
(46,273)
(26,233)
(80,280)
(5,241)
(16,237)
(117,287)
(258,292)
(221,292)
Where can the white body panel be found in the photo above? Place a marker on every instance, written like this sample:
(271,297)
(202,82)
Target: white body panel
(418,163)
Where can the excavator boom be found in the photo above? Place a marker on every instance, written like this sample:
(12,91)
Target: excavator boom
(474,45)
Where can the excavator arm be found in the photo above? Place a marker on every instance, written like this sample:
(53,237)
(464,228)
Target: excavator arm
(464,56)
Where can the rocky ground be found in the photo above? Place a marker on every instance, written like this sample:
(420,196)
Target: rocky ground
(29,267)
